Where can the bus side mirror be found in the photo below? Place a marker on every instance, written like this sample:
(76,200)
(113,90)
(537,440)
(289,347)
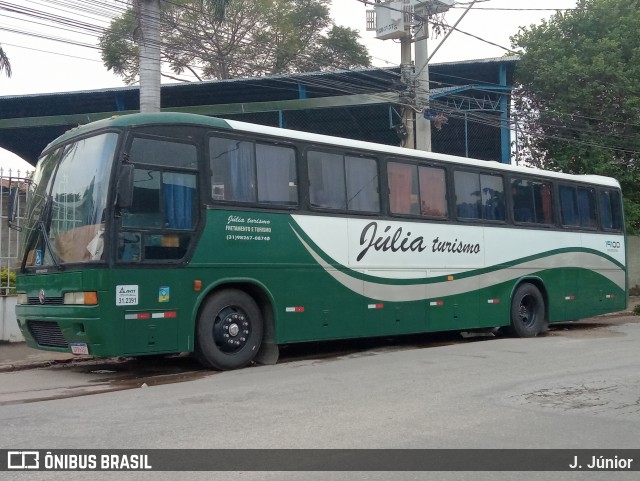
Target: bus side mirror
(12,208)
(124,192)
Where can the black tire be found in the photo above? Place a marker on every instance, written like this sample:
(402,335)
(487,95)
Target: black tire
(229,330)
(527,311)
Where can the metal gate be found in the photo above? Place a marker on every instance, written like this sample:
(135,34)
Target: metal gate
(10,239)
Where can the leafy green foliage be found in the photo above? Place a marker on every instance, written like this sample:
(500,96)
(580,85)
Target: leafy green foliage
(577,97)
(255,38)
(7,282)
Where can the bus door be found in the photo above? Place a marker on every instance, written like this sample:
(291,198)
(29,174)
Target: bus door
(156,230)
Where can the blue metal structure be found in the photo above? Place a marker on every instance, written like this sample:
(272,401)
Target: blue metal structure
(473,95)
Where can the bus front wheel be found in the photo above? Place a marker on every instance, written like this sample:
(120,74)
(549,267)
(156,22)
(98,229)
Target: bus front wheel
(527,311)
(229,330)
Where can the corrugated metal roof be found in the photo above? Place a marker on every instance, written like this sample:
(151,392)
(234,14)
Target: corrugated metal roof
(286,77)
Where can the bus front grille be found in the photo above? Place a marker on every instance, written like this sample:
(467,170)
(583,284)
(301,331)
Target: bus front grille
(49,301)
(47,334)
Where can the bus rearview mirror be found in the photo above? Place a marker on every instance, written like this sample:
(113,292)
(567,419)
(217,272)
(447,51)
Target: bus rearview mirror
(12,208)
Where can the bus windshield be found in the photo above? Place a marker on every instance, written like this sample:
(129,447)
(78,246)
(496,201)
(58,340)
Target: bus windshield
(65,221)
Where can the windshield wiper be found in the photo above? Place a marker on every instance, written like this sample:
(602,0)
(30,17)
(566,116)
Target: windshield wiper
(47,243)
(43,221)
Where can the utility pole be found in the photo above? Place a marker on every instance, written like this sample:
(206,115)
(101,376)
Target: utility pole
(395,19)
(149,44)
(406,71)
(423,125)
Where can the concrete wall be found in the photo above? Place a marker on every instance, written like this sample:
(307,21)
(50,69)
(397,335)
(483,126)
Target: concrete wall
(633,256)
(8,324)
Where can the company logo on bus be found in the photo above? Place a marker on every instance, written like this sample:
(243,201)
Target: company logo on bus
(400,241)
(41,296)
(612,245)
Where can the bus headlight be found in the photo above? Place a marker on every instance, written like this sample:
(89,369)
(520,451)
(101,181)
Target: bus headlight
(88,298)
(21,299)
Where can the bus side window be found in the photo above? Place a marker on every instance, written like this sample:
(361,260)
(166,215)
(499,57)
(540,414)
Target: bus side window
(587,207)
(362,184)
(479,196)
(327,180)
(179,195)
(433,192)
(161,200)
(610,210)
(276,174)
(523,207)
(532,201)
(543,202)
(492,189)
(403,188)
(145,207)
(468,194)
(167,153)
(233,170)
(569,206)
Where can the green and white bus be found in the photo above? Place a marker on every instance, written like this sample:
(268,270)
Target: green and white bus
(164,233)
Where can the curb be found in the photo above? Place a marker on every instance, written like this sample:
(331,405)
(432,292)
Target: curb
(24,366)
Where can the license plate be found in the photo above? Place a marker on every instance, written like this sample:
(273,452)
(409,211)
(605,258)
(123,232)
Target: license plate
(79,348)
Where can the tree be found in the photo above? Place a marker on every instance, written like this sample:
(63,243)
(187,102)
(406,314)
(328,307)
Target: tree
(147,36)
(255,38)
(577,94)
(4,63)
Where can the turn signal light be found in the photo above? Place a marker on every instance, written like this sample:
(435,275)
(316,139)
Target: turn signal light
(89,298)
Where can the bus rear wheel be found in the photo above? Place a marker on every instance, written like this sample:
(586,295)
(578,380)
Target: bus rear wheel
(527,311)
(229,330)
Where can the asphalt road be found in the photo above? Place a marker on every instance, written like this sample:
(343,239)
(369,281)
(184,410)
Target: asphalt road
(577,387)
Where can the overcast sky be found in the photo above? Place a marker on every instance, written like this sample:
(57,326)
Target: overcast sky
(44,65)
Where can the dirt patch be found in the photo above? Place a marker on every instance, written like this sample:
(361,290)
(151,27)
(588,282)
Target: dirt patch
(595,327)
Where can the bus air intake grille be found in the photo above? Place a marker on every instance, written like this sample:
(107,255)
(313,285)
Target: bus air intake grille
(47,334)
(49,301)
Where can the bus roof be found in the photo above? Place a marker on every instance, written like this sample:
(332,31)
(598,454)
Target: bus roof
(177,118)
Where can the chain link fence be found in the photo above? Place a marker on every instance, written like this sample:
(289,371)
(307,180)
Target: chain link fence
(463,134)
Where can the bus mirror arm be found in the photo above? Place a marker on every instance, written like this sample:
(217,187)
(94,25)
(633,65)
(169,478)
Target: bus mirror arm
(124,193)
